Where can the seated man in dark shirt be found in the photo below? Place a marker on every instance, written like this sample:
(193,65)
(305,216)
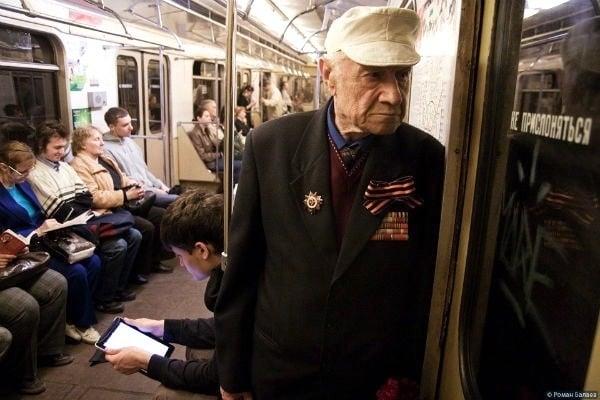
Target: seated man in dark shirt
(192,228)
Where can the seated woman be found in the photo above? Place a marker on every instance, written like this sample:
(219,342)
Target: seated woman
(205,139)
(34,314)
(21,212)
(111,189)
(62,195)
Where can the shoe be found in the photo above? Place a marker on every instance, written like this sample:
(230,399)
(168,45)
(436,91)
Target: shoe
(55,360)
(36,386)
(138,279)
(111,307)
(72,334)
(162,269)
(89,335)
(125,295)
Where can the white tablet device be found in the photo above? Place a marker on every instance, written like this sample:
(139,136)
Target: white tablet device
(120,334)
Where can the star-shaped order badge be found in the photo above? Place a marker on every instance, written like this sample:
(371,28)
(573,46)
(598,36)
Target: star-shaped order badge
(312,202)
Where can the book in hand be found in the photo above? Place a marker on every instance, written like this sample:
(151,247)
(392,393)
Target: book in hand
(12,243)
(50,225)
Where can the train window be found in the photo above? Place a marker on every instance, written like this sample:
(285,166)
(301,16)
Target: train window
(29,89)
(127,80)
(541,282)
(204,69)
(154,106)
(23,46)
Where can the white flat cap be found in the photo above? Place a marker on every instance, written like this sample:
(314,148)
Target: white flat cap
(376,36)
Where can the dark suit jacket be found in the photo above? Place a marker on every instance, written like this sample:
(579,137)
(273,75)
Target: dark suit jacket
(295,318)
(15,217)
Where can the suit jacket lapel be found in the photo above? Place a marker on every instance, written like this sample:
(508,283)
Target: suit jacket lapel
(383,163)
(311,174)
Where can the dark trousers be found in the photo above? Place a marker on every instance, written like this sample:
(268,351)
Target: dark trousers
(118,255)
(34,313)
(81,278)
(237,167)
(151,246)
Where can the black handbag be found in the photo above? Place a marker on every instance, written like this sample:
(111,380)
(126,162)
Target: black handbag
(67,246)
(24,268)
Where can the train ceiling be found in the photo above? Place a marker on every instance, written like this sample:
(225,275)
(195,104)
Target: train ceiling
(270,29)
(287,33)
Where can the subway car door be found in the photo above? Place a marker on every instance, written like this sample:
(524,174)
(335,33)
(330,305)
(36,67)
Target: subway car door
(528,322)
(139,83)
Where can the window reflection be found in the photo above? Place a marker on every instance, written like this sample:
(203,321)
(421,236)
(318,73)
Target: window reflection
(543,304)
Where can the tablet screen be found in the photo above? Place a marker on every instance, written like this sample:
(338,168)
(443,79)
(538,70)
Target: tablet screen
(124,335)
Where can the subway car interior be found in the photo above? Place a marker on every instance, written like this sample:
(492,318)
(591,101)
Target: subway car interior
(511,89)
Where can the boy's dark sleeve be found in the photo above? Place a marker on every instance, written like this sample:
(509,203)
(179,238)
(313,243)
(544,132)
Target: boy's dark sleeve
(194,375)
(212,288)
(197,333)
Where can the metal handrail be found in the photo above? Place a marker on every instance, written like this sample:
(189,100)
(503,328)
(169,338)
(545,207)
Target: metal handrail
(230,77)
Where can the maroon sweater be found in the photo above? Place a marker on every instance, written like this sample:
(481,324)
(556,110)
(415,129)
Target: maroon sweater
(343,188)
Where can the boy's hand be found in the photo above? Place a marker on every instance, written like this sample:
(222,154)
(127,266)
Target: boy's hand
(155,327)
(128,360)
(235,396)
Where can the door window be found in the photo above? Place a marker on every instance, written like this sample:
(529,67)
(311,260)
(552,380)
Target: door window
(127,79)
(537,331)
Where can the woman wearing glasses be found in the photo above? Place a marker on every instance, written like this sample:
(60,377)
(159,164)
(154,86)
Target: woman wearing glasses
(35,312)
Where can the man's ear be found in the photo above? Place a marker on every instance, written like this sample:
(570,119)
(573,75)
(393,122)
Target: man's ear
(326,74)
(205,251)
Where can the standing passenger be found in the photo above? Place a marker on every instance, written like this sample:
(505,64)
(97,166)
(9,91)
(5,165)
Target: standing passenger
(245,100)
(273,101)
(334,231)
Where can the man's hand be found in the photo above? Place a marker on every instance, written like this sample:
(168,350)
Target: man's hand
(155,327)
(128,360)
(235,396)
(48,224)
(5,259)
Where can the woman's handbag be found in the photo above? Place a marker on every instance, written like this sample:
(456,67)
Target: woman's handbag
(24,268)
(67,246)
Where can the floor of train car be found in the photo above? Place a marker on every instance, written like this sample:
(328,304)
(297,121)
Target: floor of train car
(173,295)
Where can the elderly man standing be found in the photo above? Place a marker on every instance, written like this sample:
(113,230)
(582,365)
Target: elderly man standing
(334,231)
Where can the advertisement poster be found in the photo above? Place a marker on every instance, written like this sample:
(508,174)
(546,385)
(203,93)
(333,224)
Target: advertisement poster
(433,76)
(77,65)
(81,117)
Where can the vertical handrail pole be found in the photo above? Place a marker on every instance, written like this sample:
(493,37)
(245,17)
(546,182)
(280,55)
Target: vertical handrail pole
(230,77)
(166,138)
(317,94)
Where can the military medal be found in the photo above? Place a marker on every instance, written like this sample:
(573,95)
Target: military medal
(312,202)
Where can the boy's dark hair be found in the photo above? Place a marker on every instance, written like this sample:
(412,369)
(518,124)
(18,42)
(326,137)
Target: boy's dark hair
(195,216)
(46,131)
(114,114)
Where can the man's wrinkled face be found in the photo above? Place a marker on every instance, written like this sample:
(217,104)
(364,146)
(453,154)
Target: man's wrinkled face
(367,99)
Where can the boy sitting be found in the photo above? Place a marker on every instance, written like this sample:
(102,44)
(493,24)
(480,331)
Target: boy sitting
(192,228)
